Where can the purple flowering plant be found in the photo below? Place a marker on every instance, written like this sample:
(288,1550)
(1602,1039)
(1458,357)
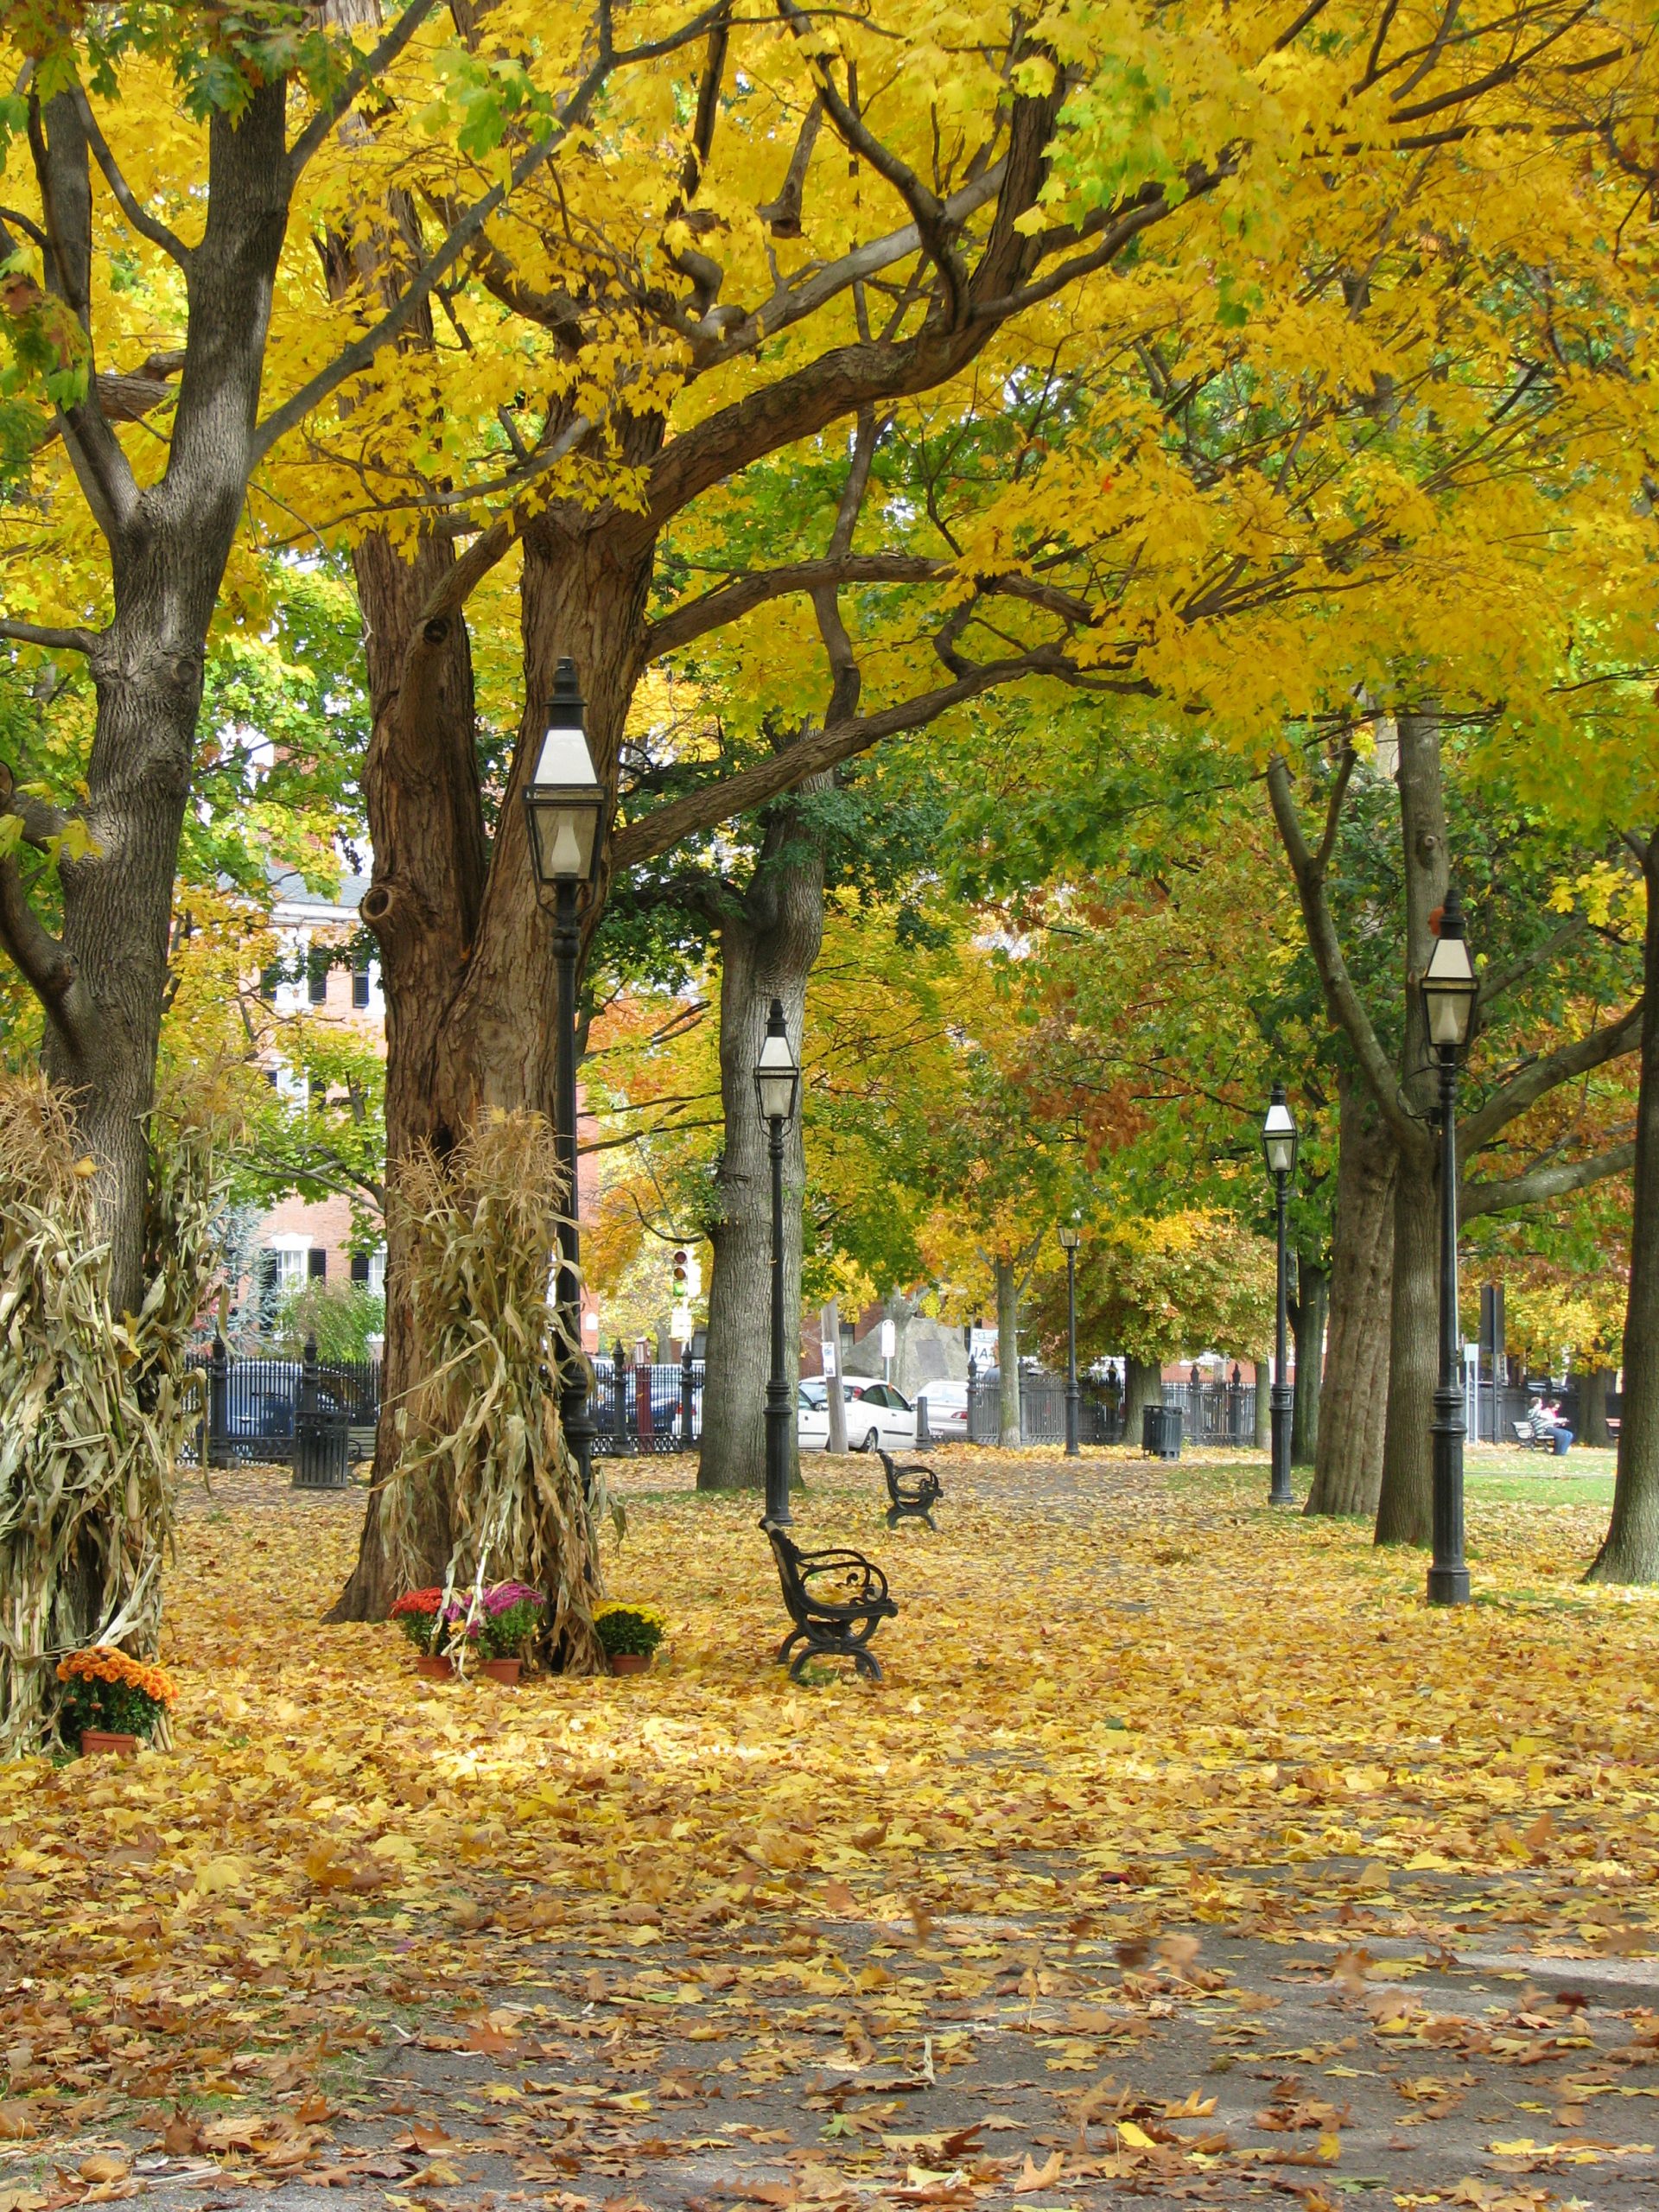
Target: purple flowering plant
(509,1618)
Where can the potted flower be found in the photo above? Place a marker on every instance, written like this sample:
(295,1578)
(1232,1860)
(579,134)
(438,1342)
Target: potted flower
(110,1700)
(507,1621)
(629,1632)
(417,1613)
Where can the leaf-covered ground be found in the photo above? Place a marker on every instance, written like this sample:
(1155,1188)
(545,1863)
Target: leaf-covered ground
(1183,1855)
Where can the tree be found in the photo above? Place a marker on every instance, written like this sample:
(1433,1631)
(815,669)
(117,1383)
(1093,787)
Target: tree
(154,543)
(1402,1101)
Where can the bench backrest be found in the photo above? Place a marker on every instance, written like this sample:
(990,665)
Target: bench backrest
(788,1557)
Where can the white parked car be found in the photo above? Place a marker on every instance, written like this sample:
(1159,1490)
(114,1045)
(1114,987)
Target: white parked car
(947,1409)
(876,1415)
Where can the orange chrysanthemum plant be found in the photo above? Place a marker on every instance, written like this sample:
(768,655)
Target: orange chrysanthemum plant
(105,1688)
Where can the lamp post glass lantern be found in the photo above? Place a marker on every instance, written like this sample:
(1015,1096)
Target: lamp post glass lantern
(564,811)
(776,1090)
(1279,1140)
(1069,1234)
(1449,989)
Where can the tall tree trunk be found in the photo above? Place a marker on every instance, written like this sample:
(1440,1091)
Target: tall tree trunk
(1262,1405)
(467,952)
(1631,1551)
(1313,1307)
(1007,1350)
(1592,1408)
(168,541)
(1348,1463)
(1143,1386)
(767,949)
(1404,1508)
(426,830)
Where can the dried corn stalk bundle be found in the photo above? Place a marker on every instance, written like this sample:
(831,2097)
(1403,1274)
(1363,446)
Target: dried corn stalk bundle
(92,1405)
(484,1426)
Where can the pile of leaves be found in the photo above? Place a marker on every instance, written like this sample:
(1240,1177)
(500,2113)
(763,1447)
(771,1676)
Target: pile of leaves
(1118,1700)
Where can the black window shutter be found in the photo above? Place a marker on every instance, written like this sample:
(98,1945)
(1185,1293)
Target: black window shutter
(359,1267)
(319,1259)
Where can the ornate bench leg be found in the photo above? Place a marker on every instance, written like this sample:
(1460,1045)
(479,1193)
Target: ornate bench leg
(788,1644)
(893,1512)
(927,1516)
(866,1663)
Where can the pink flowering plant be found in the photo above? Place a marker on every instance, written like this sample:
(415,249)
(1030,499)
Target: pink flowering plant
(510,1613)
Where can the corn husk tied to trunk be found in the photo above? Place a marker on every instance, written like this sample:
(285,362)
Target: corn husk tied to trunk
(484,1423)
(92,1405)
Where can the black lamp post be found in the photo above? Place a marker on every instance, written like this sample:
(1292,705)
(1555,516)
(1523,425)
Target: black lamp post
(1449,1006)
(1280,1137)
(778,1090)
(564,808)
(1068,1234)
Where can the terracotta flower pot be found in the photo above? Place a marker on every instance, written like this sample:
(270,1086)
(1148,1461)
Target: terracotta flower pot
(629,1663)
(436,1666)
(500,1670)
(106,1740)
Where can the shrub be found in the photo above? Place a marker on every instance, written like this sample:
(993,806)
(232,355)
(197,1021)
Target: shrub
(625,1628)
(105,1688)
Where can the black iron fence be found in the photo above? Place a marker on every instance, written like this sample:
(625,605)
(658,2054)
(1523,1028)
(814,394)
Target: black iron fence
(1214,1413)
(646,1406)
(251,1404)
(1042,1410)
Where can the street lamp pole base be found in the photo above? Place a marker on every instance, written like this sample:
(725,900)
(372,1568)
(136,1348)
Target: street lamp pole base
(1448,1578)
(777,1512)
(1283,1405)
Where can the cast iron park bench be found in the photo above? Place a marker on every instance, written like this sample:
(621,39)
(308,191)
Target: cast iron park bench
(915,1490)
(1536,1434)
(837,1599)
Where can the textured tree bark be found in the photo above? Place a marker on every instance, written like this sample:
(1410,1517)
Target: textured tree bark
(169,542)
(426,828)
(1348,1463)
(1006,1275)
(1592,1408)
(1405,1506)
(767,949)
(1143,1386)
(1312,1311)
(1630,1550)
(1261,1437)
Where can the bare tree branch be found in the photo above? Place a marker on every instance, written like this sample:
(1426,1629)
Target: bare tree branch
(1524,1089)
(824,748)
(1342,998)
(313,137)
(36,634)
(929,212)
(42,820)
(147,225)
(711,610)
(1539,1182)
(461,233)
(1497,981)
(40,960)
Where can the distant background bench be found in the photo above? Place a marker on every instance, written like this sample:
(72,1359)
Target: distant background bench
(914,1490)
